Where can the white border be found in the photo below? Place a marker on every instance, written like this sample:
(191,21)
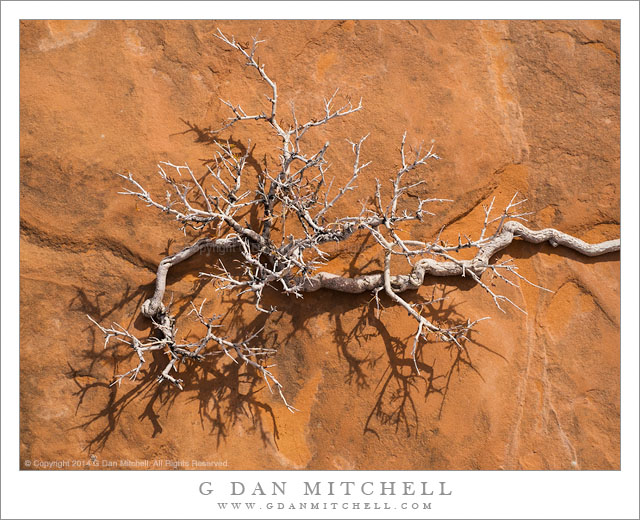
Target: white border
(68,494)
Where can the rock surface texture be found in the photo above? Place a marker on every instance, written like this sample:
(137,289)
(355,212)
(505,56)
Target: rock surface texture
(523,106)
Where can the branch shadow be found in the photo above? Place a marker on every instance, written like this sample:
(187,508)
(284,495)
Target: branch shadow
(400,391)
(227,393)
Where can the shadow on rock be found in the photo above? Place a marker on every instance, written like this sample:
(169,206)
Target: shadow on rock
(227,392)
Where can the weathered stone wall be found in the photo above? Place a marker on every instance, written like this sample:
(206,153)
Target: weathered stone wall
(520,106)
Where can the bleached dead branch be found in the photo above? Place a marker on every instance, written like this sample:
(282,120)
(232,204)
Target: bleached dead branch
(296,200)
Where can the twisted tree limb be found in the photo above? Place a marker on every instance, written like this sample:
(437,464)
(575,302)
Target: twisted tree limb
(399,283)
(154,306)
(478,264)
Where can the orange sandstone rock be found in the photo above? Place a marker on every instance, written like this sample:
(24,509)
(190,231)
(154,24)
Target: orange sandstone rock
(520,106)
